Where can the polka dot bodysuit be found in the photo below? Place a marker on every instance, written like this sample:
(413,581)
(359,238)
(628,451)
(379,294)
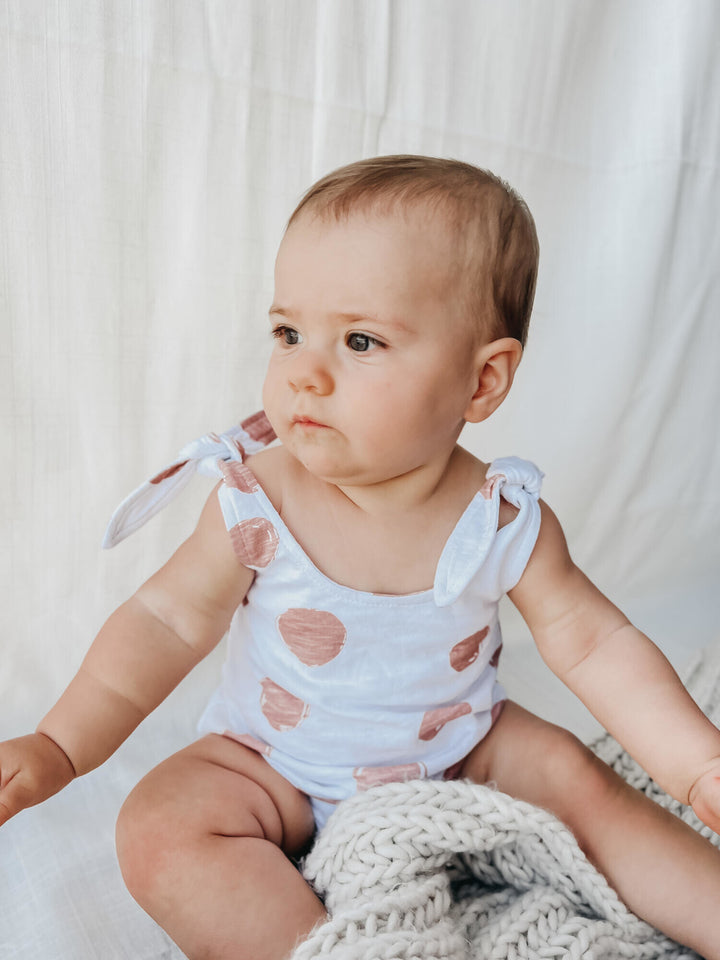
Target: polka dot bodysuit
(340,689)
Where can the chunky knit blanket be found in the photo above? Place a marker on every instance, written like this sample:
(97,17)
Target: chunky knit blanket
(431,870)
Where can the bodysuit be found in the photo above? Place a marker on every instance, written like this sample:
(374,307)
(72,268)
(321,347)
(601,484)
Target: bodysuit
(341,689)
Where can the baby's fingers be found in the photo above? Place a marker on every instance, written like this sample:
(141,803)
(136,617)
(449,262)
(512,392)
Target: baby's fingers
(13,798)
(705,800)
(32,769)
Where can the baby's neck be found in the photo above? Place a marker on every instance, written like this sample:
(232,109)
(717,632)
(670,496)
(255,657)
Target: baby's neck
(379,538)
(384,538)
(411,492)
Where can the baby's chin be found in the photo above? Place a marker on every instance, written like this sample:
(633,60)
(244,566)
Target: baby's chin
(329,458)
(326,468)
(344,475)
(334,474)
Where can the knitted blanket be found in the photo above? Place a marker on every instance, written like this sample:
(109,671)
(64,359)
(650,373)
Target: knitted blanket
(430,870)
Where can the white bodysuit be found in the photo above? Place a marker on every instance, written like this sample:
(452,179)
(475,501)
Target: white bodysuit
(340,689)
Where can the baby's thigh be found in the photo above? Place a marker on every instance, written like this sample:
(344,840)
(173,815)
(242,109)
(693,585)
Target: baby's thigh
(216,787)
(533,760)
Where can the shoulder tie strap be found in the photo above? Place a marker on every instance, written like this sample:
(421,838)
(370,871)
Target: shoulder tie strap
(202,455)
(476,540)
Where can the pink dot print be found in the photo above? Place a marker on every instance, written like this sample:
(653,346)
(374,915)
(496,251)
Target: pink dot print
(238,476)
(466,652)
(488,488)
(169,472)
(314,636)
(247,740)
(282,710)
(255,541)
(367,777)
(495,658)
(435,720)
(258,427)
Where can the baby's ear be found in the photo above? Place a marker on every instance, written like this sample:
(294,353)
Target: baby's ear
(496,364)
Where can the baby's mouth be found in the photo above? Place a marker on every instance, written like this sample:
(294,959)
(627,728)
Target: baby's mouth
(308,423)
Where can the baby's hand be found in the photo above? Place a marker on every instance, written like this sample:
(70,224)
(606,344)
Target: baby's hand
(705,796)
(32,768)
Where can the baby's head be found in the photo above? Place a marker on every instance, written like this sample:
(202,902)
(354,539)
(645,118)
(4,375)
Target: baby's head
(492,232)
(403,290)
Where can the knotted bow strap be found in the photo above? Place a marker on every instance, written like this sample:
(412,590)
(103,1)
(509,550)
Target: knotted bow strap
(201,455)
(477,541)
(516,475)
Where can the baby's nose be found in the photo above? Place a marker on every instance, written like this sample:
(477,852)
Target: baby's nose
(311,373)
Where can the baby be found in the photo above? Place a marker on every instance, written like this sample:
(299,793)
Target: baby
(359,564)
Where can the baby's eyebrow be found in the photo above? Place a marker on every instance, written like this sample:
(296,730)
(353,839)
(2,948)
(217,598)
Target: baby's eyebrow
(375,319)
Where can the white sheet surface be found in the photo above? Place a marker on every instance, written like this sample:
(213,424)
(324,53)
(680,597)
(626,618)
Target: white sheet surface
(149,155)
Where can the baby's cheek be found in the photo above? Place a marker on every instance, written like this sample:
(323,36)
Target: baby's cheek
(271,407)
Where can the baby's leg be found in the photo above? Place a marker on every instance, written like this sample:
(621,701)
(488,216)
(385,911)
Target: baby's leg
(202,843)
(662,869)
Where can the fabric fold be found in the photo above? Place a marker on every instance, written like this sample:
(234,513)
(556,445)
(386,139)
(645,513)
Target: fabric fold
(203,455)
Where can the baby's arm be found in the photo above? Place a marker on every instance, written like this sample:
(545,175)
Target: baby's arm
(620,675)
(139,656)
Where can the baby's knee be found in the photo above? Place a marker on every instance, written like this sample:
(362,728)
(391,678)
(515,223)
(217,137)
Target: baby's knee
(155,831)
(142,840)
(165,825)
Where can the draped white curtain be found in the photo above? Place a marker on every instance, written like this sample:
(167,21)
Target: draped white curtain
(150,153)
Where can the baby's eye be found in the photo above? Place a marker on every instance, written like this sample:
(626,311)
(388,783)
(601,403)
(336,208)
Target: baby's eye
(362,342)
(287,335)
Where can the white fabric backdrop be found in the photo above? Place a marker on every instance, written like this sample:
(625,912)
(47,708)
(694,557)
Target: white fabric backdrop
(149,155)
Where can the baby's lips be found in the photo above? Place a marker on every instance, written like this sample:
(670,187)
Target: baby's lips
(435,720)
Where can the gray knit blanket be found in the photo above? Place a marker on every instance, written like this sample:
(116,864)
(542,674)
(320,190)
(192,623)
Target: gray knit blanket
(431,870)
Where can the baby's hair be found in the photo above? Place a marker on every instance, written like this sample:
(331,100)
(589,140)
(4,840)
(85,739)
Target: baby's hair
(493,228)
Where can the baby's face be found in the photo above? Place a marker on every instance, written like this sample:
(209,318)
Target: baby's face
(372,368)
